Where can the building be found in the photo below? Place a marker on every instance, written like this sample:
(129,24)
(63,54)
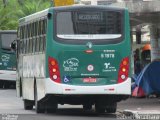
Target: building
(98,2)
(108,2)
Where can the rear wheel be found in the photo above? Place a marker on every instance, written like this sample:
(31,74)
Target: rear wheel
(51,105)
(39,107)
(111,108)
(87,106)
(1,84)
(100,108)
(51,108)
(6,85)
(28,105)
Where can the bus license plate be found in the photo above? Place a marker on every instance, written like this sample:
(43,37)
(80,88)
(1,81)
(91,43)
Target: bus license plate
(89,80)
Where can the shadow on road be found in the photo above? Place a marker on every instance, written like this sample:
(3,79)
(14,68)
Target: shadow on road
(80,112)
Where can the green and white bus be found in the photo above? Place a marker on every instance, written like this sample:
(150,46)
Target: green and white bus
(7,58)
(78,55)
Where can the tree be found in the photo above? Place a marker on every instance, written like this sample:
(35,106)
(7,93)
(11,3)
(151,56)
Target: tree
(8,18)
(32,6)
(12,10)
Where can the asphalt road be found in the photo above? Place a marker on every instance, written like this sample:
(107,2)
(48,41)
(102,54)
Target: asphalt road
(11,108)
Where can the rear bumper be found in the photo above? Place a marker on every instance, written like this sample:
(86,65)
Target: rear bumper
(7,75)
(115,89)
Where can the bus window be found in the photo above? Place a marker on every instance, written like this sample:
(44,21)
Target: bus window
(21,47)
(34,44)
(37,36)
(22,32)
(24,46)
(33,36)
(44,33)
(7,39)
(40,35)
(89,25)
(37,44)
(30,45)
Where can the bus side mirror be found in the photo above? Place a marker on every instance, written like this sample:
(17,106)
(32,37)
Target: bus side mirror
(13,45)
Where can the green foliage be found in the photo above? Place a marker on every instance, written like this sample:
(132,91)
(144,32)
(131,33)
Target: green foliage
(12,10)
(32,6)
(7,12)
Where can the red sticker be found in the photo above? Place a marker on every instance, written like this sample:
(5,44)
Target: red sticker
(89,80)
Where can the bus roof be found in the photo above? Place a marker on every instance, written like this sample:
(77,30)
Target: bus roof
(44,13)
(33,17)
(8,31)
(89,6)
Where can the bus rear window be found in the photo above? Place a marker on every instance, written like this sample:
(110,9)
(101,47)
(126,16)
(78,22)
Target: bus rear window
(89,25)
(7,39)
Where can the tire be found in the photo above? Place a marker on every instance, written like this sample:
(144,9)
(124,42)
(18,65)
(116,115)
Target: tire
(6,85)
(39,107)
(28,105)
(87,106)
(111,108)
(21,93)
(52,108)
(99,109)
(1,84)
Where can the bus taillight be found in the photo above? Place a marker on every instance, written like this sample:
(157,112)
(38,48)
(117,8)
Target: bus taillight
(54,72)
(123,70)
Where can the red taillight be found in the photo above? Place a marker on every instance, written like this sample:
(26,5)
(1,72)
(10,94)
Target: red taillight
(54,72)
(123,70)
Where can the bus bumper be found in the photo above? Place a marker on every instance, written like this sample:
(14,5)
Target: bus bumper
(7,75)
(117,89)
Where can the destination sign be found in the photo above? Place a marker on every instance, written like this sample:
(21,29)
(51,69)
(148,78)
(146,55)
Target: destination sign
(90,16)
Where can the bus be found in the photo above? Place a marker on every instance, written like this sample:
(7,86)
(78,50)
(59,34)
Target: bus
(78,55)
(7,58)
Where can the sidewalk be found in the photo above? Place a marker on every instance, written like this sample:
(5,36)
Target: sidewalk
(139,108)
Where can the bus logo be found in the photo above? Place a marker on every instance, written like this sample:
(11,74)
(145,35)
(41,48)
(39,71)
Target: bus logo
(107,65)
(5,58)
(89,45)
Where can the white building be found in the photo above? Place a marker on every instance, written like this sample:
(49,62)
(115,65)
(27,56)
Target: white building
(98,2)
(107,2)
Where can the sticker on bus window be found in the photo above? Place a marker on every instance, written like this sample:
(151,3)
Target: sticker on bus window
(109,68)
(90,68)
(66,79)
(71,64)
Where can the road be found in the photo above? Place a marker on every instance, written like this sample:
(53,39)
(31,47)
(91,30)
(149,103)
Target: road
(12,107)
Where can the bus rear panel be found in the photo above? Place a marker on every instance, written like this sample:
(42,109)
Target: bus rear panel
(90,50)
